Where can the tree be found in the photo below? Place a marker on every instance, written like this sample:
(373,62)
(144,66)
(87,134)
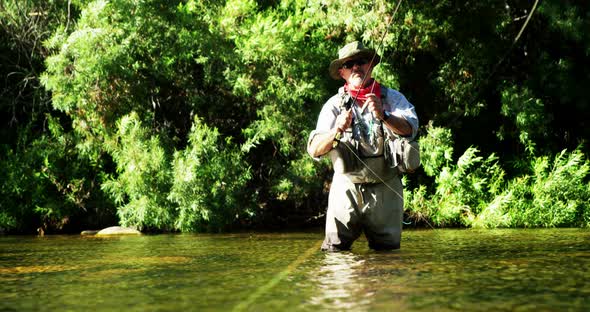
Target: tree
(215,100)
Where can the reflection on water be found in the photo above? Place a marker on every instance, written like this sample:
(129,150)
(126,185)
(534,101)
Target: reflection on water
(464,270)
(337,282)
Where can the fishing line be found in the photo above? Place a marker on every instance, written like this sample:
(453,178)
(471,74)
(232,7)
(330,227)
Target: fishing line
(379,46)
(373,85)
(526,22)
(381,179)
(371,65)
(373,172)
(497,65)
(362,84)
(242,306)
(521,31)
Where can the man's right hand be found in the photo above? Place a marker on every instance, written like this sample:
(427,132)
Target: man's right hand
(343,120)
(323,143)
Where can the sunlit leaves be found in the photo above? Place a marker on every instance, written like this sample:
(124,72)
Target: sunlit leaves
(129,78)
(436,149)
(209,180)
(144,177)
(527,114)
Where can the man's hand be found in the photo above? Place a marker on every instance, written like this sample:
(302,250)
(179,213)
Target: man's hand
(343,121)
(396,124)
(324,142)
(375,106)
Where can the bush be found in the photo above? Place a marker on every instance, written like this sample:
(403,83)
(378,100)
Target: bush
(49,184)
(461,189)
(127,79)
(555,193)
(558,192)
(209,179)
(143,177)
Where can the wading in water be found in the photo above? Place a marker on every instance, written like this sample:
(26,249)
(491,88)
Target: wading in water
(359,129)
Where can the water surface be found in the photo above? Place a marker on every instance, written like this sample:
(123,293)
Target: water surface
(443,270)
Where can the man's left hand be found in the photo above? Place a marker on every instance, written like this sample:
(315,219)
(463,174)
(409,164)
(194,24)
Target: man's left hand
(374,105)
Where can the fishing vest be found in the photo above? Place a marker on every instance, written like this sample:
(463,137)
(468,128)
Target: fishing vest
(368,152)
(360,154)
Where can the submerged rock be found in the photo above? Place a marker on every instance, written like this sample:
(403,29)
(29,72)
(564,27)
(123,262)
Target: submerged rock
(89,232)
(118,230)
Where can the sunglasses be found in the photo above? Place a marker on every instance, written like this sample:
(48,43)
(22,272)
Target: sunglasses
(350,64)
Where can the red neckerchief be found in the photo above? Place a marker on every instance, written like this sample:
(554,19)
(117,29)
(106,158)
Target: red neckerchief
(361,94)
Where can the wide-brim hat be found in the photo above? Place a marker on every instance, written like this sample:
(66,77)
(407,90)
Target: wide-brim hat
(353,50)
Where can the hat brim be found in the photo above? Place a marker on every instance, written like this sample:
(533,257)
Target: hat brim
(336,64)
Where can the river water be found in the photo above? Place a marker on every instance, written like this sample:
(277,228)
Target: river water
(442,270)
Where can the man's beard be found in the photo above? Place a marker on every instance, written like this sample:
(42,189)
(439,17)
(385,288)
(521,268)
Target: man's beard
(356,79)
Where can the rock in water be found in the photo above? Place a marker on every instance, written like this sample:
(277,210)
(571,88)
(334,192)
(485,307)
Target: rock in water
(89,232)
(118,230)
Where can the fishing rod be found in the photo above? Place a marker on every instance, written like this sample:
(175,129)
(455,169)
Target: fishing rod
(521,31)
(378,46)
(357,94)
(497,65)
(354,101)
(526,22)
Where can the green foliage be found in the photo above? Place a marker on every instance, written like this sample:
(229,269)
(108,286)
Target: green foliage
(444,41)
(436,149)
(301,181)
(48,184)
(44,183)
(280,44)
(475,192)
(124,57)
(24,25)
(126,62)
(462,189)
(128,78)
(555,193)
(560,192)
(144,177)
(209,182)
(271,65)
(526,114)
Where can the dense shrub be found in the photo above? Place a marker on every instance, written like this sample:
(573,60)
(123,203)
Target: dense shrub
(475,191)
(193,115)
(209,180)
(143,177)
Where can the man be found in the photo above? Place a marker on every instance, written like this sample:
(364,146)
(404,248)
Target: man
(353,129)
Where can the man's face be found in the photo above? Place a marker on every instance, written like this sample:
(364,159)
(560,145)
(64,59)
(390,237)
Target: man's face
(355,70)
